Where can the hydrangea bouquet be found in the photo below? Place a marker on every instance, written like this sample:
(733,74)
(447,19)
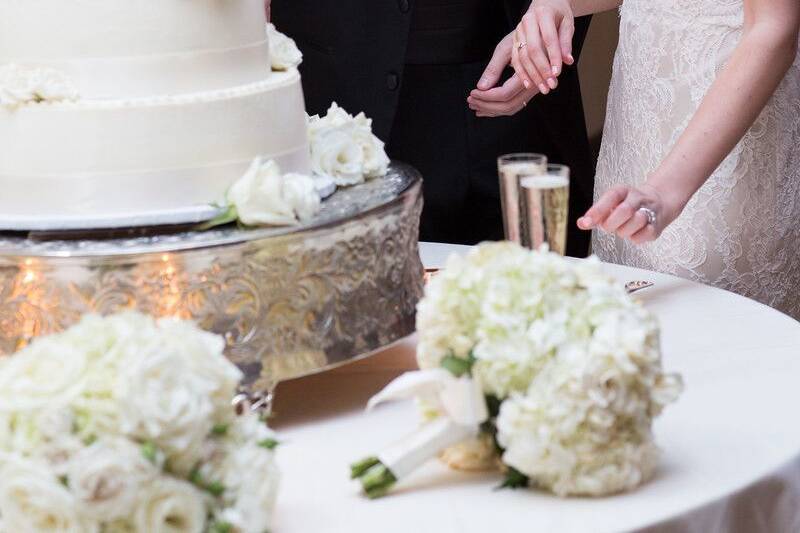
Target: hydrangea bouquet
(125,424)
(542,366)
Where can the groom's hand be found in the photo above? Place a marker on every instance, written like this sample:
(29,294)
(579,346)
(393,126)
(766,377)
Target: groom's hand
(491,100)
(267,9)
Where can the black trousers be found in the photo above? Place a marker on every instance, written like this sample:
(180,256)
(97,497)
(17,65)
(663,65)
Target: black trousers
(456,152)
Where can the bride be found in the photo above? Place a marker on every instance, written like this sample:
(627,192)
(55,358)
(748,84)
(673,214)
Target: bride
(699,171)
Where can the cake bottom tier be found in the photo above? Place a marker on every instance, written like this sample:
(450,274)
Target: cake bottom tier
(98,158)
(289,301)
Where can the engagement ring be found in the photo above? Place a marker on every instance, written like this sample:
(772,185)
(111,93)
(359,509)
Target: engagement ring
(650,214)
(521,45)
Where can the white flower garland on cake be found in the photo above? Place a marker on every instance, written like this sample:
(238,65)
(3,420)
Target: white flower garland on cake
(21,85)
(125,423)
(569,366)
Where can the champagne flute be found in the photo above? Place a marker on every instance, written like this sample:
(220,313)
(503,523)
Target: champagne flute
(510,167)
(543,208)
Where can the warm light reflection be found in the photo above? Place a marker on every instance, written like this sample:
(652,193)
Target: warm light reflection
(172,280)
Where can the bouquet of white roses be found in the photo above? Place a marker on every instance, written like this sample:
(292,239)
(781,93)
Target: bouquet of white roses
(126,424)
(544,366)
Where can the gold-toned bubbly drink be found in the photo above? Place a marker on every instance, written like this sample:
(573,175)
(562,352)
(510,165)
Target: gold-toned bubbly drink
(543,208)
(512,168)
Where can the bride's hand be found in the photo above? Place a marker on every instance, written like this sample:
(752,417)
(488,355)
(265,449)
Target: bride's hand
(267,9)
(624,212)
(542,43)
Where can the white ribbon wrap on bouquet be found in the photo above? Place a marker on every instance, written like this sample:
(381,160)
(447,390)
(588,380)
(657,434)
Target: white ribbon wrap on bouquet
(462,408)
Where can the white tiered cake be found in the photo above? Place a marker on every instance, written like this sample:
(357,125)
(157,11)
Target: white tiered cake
(115,107)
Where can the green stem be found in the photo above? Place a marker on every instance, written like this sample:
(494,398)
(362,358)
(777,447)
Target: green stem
(376,479)
(226,217)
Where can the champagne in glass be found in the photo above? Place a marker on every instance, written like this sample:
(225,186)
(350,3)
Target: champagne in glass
(511,167)
(543,208)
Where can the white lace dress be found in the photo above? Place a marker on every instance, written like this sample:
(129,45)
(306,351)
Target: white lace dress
(741,231)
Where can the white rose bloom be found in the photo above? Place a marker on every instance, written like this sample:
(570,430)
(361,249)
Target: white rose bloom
(32,499)
(344,148)
(376,162)
(166,396)
(21,85)
(283,51)
(206,351)
(251,478)
(107,476)
(264,196)
(47,373)
(170,506)
(104,407)
(337,154)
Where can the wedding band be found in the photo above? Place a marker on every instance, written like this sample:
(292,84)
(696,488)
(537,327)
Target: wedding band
(650,214)
(522,45)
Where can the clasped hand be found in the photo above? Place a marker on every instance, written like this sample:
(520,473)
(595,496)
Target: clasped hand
(537,49)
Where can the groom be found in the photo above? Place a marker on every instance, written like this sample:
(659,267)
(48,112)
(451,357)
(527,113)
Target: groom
(410,65)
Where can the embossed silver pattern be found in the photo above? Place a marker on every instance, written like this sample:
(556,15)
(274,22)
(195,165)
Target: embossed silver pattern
(289,301)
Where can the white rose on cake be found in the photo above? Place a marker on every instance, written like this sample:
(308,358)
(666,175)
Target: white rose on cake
(20,85)
(344,149)
(265,196)
(284,53)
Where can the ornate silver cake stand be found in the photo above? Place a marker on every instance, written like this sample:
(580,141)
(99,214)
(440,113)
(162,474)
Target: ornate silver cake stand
(289,301)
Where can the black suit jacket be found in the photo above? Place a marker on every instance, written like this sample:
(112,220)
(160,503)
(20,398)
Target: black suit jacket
(354,51)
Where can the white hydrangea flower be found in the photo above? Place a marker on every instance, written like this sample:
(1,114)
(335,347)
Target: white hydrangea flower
(583,427)
(283,51)
(575,359)
(343,147)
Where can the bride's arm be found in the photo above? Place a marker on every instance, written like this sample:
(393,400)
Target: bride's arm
(759,63)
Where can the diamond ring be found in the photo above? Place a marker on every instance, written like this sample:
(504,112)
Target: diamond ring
(650,214)
(522,45)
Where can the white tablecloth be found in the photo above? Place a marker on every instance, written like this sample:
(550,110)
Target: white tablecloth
(731,445)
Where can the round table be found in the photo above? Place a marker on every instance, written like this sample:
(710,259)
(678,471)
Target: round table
(731,445)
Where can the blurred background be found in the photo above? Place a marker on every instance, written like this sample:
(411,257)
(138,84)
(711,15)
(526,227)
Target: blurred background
(595,71)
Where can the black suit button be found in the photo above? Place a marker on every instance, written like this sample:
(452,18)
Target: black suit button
(404,5)
(392,81)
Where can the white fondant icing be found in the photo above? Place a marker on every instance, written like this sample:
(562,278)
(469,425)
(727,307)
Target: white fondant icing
(125,48)
(130,155)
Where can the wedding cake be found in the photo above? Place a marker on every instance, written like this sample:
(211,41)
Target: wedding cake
(112,107)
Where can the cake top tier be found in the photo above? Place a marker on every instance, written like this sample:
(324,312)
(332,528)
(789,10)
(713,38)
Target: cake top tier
(135,48)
